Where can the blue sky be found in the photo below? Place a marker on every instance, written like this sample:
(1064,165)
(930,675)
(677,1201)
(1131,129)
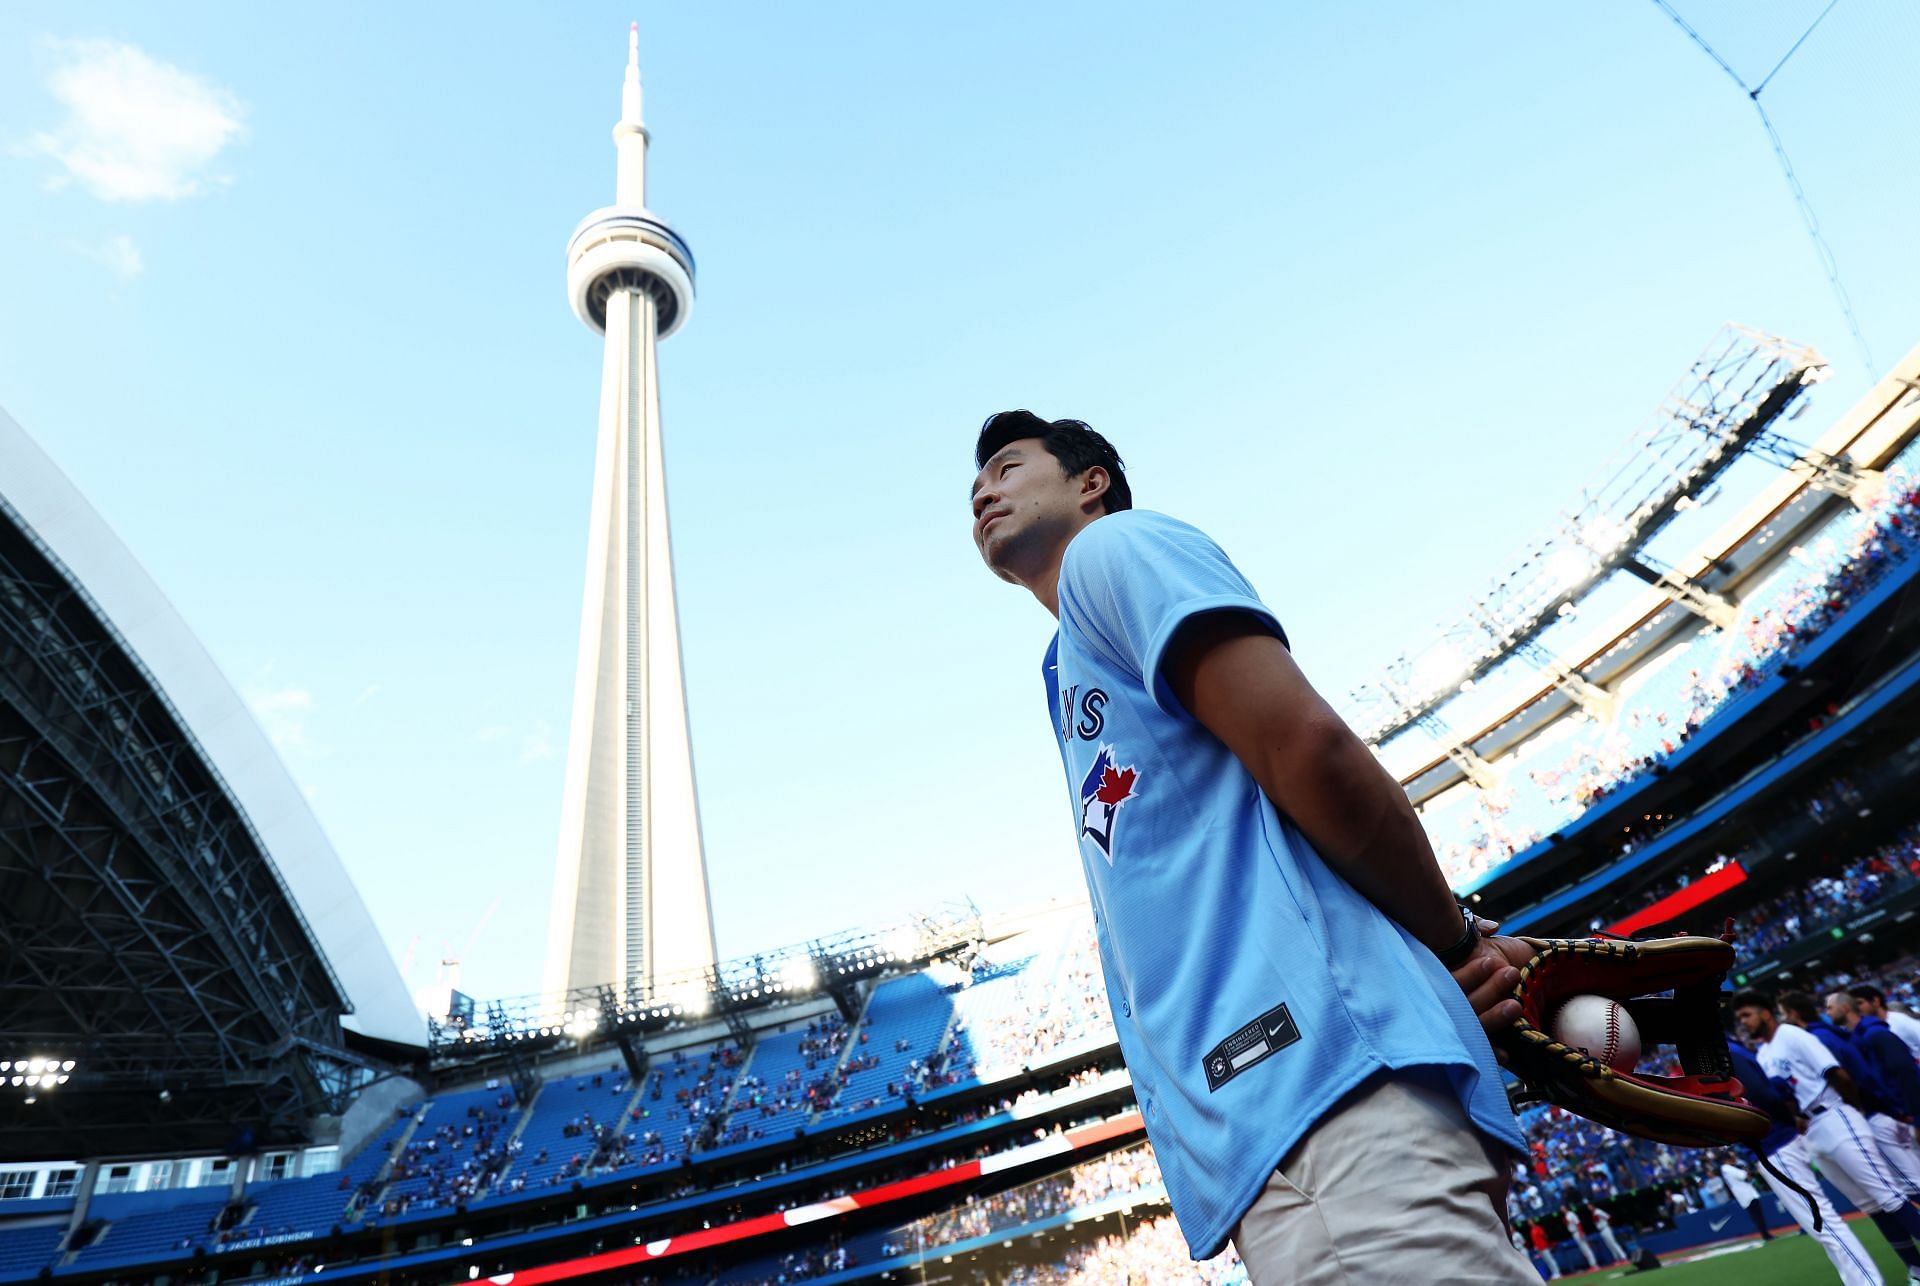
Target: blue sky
(1365,291)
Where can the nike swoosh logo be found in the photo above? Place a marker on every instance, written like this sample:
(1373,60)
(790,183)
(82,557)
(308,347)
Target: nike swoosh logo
(1277,1030)
(1718,1226)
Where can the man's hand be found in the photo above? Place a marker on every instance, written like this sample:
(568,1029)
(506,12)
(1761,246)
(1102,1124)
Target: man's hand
(1489,976)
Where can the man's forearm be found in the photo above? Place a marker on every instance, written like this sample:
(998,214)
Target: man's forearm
(1358,819)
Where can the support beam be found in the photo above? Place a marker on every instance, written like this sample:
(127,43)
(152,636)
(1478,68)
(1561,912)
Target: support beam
(1835,474)
(1713,608)
(1476,770)
(1567,679)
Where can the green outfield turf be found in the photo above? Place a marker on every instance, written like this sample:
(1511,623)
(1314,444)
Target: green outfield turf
(1787,1260)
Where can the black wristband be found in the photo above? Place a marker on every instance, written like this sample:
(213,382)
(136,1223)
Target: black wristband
(1462,951)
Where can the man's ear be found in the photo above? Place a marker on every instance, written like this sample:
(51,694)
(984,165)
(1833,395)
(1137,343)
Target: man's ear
(1094,483)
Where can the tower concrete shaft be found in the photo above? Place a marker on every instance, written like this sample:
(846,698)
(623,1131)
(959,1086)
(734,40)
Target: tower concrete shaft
(630,898)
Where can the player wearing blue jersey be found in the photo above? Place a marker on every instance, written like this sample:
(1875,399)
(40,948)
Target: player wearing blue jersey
(1302,1005)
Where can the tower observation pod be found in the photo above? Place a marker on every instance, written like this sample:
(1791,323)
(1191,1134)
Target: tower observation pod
(630,901)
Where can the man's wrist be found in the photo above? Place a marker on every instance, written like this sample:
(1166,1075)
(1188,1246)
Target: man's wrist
(1461,950)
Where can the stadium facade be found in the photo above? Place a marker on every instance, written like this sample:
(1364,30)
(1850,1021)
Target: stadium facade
(630,901)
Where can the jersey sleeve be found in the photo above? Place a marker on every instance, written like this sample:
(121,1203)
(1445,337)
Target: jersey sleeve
(1132,579)
(1808,1049)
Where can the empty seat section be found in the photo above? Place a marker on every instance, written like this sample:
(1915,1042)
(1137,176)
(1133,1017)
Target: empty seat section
(156,1234)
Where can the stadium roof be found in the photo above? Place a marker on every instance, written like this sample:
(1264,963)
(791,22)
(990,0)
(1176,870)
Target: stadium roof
(218,721)
(183,945)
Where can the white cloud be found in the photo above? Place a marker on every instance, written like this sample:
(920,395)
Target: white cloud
(117,254)
(283,713)
(136,129)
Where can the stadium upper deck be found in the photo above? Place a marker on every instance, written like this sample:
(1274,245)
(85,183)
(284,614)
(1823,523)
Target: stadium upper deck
(935,1057)
(1581,707)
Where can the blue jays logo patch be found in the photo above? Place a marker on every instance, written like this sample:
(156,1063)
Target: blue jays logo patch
(1105,787)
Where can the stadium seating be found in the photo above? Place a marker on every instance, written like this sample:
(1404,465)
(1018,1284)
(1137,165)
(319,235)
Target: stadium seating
(134,1238)
(290,1207)
(457,1147)
(24,1251)
(1056,1002)
(557,1141)
(790,1075)
(367,1163)
(899,1044)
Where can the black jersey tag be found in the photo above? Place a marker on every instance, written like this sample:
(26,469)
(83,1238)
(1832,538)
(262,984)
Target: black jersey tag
(1266,1035)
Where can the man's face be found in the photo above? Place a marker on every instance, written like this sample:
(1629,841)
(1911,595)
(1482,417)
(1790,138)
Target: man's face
(1025,509)
(1756,1022)
(1840,1010)
(1870,1007)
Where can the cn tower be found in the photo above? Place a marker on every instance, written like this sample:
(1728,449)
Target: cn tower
(630,902)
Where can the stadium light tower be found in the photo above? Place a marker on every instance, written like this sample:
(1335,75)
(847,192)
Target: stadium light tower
(630,900)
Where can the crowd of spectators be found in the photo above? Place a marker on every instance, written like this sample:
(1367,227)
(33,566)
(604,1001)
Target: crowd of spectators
(1792,915)
(452,1163)
(1151,1250)
(809,1085)
(805,1264)
(1048,1010)
(1601,759)
(1126,1170)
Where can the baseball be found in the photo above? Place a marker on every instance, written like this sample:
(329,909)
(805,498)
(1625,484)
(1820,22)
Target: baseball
(1600,1027)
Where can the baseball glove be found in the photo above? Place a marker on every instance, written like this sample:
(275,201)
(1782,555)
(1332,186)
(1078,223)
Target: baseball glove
(1671,989)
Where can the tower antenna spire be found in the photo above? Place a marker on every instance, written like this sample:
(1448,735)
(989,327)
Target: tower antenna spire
(630,91)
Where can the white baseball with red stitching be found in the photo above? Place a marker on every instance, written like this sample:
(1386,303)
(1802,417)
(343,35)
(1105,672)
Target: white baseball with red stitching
(1600,1027)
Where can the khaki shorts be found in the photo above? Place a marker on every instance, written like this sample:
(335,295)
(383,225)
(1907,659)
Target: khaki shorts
(1393,1185)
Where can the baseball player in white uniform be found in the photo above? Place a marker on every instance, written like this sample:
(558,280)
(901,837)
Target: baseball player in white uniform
(1579,1235)
(1786,1152)
(1745,1195)
(1604,1226)
(1893,1136)
(1836,1133)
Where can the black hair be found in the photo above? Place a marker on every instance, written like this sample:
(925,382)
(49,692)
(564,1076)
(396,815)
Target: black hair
(1800,1003)
(1757,999)
(1072,442)
(1867,991)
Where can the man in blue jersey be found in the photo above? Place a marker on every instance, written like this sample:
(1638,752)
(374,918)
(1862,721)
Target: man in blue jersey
(1861,1010)
(1301,1003)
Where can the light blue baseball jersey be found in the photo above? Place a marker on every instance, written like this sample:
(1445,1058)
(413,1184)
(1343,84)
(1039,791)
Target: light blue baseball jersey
(1251,986)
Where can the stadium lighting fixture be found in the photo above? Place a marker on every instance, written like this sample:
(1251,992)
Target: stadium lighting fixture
(692,999)
(1439,666)
(800,975)
(1567,566)
(904,944)
(36,1072)
(582,1024)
